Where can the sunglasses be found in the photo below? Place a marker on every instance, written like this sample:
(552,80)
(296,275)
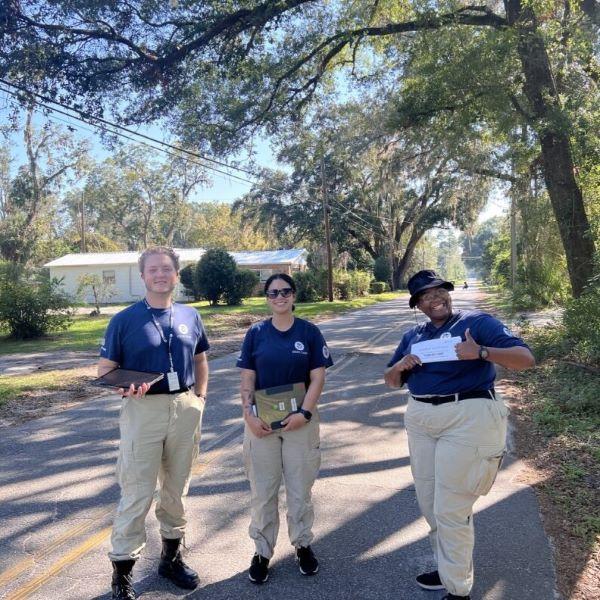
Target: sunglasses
(285,293)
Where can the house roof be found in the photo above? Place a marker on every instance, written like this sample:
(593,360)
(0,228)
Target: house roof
(186,255)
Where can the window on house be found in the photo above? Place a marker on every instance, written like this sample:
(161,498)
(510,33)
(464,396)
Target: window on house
(265,274)
(108,277)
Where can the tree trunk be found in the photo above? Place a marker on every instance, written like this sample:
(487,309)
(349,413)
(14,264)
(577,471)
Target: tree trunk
(563,190)
(399,275)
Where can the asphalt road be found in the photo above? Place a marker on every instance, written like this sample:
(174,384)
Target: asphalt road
(58,493)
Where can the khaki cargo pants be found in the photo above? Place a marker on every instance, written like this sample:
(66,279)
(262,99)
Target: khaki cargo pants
(455,452)
(160,436)
(294,456)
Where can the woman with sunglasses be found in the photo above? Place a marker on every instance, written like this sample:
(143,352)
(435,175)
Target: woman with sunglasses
(281,350)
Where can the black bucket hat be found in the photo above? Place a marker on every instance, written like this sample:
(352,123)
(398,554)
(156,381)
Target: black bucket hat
(424,280)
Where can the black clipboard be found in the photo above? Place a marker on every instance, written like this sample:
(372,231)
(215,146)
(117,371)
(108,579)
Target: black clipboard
(123,378)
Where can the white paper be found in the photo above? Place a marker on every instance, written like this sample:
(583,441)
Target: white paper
(436,350)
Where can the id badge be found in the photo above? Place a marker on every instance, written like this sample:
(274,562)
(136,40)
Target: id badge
(173,381)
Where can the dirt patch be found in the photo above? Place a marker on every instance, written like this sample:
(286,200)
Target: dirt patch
(233,321)
(42,402)
(577,568)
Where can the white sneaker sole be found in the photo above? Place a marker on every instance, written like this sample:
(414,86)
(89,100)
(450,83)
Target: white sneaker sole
(308,574)
(258,582)
(431,587)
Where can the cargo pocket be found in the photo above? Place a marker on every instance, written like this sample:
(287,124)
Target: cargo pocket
(485,469)
(126,469)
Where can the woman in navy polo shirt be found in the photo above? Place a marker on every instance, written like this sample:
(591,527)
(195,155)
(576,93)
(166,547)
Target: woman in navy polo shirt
(277,351)
(455,421)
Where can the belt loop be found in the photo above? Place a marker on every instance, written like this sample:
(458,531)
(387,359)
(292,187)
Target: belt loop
(456,397)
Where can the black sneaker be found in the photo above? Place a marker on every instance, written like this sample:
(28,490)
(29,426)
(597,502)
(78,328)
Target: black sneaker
(454,597)
(430,581)
(259,569)
(307,561)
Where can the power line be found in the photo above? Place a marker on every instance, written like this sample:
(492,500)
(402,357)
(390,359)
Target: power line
(107,124)
(130,138)
(167,152)
(85,117)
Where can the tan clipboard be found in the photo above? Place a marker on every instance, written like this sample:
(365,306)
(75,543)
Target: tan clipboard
(276,403)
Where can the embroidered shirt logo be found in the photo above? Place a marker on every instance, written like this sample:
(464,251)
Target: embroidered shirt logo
(325,351)
(445,335)
(299,346)
(183,328)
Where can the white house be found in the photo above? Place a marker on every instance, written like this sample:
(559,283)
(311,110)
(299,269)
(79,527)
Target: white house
(121,268)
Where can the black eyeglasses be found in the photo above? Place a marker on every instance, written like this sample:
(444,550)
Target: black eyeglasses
(285,293)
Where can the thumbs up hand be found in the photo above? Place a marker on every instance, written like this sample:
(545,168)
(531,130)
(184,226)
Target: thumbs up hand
(469,349)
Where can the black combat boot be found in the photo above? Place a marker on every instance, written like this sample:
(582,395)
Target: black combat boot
(122,581)
(172,566)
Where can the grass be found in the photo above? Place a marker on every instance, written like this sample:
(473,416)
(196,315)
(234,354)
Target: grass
(561,402)
(86,332)
(13,386)
(560,407)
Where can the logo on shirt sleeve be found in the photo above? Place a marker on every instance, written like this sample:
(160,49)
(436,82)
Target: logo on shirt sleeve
(508,332)
(325,351)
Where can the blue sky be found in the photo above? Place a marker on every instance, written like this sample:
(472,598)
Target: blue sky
(222,189)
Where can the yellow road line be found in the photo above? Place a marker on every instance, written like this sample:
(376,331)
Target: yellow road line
(13,572)
(65,561)
(95,540)
(89,544)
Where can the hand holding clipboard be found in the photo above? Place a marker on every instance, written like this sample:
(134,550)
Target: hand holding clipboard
(127,381)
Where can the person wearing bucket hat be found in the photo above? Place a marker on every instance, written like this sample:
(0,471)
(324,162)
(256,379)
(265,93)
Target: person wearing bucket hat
(455,420)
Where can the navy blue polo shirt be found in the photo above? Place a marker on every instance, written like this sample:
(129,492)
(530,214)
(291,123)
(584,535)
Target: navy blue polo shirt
(450,377)
(133,341)
(282,357)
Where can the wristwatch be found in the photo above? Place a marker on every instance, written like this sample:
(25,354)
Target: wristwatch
(483,353)
(305,413)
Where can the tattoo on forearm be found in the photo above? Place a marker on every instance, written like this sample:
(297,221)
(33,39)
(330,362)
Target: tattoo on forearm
(247,401)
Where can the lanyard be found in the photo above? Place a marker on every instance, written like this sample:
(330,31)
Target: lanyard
(161,332)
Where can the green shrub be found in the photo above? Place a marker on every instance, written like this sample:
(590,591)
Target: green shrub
(381,269)
(360,282)
(343,289)
(346,284)
(244,283)
(10,272)
(33,309)
(187,277)
(351,284)
(215,274)
(378,287)
(581,320)
(308,287)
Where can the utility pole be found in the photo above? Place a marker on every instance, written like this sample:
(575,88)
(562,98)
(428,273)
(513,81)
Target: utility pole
(327,234)
(83,244)
(392,244)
